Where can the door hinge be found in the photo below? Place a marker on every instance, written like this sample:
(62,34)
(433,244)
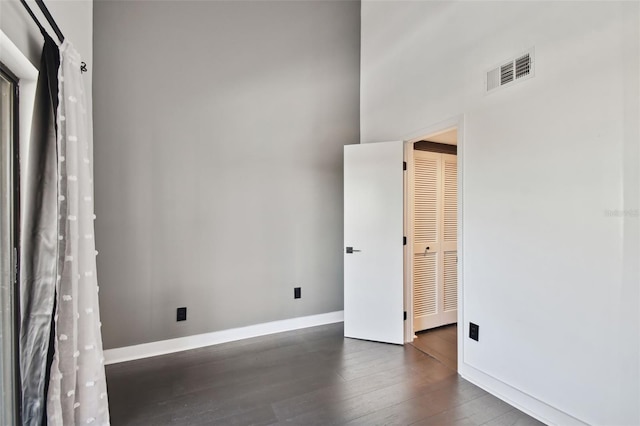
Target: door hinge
(405,315)
(404,165)
(404,241)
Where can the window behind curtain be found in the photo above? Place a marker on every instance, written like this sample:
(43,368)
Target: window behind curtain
(8,252)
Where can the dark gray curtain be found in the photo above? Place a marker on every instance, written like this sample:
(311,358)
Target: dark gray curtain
(38,241)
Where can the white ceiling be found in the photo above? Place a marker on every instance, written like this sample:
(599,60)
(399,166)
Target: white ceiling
(449,137)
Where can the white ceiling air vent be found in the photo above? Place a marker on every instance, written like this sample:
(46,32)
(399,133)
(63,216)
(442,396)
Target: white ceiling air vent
(511,71)
(506,73)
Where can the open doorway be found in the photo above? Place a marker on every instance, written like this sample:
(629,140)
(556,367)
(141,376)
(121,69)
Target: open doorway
(379,246)
(432,249)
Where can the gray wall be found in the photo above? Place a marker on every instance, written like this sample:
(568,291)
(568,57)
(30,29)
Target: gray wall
(219,129)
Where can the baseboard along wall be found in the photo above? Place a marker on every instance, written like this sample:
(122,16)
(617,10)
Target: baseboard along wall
(146,350)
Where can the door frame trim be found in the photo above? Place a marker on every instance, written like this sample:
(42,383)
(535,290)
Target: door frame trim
(457,122)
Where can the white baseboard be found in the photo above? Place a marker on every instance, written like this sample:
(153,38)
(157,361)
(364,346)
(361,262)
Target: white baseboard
(522,401)
(145,350)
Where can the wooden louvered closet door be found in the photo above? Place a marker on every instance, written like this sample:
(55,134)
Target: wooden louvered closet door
(435,281)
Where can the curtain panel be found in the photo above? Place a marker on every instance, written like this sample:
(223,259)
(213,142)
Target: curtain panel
(77,389)
(38,240)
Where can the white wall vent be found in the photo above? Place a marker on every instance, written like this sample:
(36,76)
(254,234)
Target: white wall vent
(511,71)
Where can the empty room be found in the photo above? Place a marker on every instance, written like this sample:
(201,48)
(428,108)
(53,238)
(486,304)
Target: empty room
(320,212)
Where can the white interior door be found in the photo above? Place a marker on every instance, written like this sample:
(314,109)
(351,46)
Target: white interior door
(434,240)
(373,234)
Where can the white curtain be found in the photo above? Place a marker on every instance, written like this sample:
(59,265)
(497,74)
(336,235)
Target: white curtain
(77,388)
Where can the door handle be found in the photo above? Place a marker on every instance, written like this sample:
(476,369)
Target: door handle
(426,250)
(351,250)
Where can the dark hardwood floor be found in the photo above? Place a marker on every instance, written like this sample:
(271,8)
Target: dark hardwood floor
(306,377)
(441,343)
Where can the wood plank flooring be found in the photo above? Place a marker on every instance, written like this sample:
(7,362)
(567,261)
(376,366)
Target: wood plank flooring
(306,377)
(441,343)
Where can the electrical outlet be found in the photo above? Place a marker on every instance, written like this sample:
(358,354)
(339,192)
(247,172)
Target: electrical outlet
(181,314)
(297,292)
(474,331)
